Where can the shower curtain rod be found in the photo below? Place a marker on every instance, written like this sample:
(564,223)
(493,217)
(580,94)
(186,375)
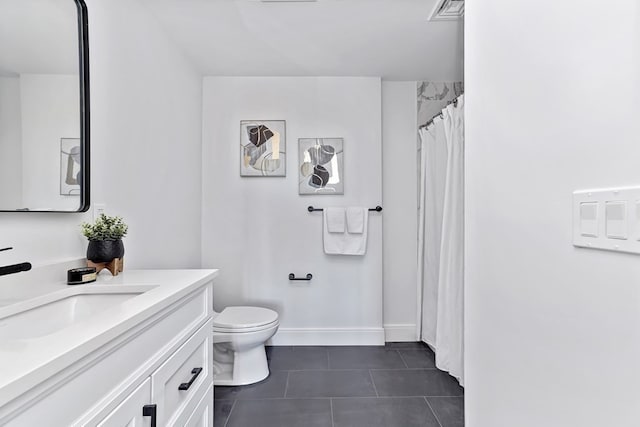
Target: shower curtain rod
(454,101)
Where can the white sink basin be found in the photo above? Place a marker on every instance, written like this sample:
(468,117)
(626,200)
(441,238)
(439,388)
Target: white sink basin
(53,312)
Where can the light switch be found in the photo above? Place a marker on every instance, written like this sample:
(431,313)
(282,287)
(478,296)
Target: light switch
(616,220)
(589,219)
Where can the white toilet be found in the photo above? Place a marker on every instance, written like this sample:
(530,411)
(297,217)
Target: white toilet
(239,334)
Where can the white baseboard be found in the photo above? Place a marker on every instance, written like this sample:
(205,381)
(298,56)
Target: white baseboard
(328,336)
(400,332)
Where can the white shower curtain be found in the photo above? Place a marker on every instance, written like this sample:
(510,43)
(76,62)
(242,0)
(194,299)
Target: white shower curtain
(441,238)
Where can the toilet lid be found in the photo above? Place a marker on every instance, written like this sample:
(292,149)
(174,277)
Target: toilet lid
(244,317)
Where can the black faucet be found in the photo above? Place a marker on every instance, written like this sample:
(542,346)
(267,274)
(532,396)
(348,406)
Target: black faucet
(14,268)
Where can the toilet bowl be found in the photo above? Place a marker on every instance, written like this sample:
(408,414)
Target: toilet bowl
(239,335)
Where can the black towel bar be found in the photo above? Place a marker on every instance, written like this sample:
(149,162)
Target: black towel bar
(293,277)
(312,209)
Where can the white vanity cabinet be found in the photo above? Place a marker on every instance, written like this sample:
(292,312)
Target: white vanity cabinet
(157,372)
(171,395)
(128,412)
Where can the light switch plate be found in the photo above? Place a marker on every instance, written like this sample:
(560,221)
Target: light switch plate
(607,219)
(636,227)
(98,209)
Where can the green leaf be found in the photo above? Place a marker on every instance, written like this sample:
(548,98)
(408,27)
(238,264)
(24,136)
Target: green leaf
(105,228)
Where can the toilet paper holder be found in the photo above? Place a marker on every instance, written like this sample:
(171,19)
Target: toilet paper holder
(293,277)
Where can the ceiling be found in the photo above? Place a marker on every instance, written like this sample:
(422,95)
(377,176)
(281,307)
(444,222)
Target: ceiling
(392,39)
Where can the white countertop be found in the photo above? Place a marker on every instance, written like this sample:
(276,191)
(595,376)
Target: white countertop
(25,363)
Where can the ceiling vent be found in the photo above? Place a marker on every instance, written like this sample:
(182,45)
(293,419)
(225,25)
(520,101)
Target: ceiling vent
(447,10)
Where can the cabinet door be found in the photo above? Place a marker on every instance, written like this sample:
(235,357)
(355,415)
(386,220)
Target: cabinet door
(129,412)
(178,385)
(203,414)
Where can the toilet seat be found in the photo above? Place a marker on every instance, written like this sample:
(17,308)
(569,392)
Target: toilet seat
(244,330)
(245,319)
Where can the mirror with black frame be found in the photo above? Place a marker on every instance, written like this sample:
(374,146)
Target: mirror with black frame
(44,106)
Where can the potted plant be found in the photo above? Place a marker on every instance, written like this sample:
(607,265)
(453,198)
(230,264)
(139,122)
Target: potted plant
(105,238)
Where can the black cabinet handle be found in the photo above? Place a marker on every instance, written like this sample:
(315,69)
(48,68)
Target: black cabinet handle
(293,277)
(195,372)
(150,411)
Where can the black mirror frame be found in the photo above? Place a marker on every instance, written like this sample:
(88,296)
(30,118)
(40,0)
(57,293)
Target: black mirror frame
(85,124)
(85,178)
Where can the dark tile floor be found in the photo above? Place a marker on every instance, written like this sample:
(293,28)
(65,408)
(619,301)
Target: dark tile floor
(396,385)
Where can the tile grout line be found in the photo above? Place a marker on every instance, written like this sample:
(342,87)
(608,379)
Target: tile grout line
(332,420)
(411,396)
(359,369)
(432,411)
(230,412)
(374,383)
(286,385)
(402,358)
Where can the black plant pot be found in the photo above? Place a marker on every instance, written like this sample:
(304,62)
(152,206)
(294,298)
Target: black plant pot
(105,250)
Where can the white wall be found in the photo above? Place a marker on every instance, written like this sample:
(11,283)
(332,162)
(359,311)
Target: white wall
(258,230)
(399,189)
(405,105)
(552,106)
(50,111)
(146,145)
(146,115)
(10,143)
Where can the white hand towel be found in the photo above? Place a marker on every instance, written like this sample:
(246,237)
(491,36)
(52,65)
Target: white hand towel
(335,219)
(345,243)
(355,220)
